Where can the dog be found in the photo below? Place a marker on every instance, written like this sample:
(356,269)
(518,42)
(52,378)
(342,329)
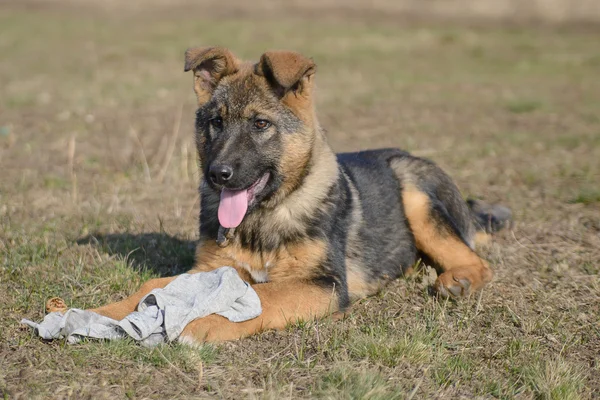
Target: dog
(310,230)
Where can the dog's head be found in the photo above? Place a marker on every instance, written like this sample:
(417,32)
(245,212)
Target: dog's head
(255,126)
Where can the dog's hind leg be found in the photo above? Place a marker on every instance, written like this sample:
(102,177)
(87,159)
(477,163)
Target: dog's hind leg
(462,270)
(442,225)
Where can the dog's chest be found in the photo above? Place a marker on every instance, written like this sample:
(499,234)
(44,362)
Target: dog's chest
(252,263)
(259,276)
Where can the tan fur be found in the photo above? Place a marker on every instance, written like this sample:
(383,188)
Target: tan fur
(359,286)
(287,210)
(482,239)
(293,73)
(295,160)
(298,261)
(287,67)
(463,270)
(210,65)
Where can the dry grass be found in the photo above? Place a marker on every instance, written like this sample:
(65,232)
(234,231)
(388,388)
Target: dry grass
(98,193)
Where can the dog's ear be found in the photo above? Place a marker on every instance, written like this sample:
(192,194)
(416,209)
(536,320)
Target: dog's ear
(210,65)
(287,71)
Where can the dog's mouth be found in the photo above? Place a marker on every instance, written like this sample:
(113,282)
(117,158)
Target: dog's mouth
(234,203)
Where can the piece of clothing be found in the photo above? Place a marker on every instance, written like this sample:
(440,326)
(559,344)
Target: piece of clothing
(162,314)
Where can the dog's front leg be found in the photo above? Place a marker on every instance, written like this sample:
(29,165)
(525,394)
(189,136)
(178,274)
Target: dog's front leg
(121,309)
(282,303)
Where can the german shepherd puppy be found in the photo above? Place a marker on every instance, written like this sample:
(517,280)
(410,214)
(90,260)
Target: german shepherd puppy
(310,230)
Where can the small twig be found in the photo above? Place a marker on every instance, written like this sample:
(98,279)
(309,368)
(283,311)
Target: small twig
(184,161)
(200,372)
(277,354)
(111,150)
(515,317)
(72,144)
(171,148)
(135,137)
(517,240)
(189,212)
(417,386)
(478,307)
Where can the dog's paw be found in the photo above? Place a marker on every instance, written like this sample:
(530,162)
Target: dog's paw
(461,282)
(56,304)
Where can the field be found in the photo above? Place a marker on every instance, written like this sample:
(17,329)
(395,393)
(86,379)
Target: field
(98,192)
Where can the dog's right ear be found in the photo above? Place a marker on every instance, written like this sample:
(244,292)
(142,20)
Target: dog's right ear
(287,71)
(210,65)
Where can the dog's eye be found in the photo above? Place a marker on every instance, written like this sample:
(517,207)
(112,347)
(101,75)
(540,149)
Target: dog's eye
(261,124)
(216,122)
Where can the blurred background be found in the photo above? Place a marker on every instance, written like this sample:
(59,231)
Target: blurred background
(503,93)
(98,174)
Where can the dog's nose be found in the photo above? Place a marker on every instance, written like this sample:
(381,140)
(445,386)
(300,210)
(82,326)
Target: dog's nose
(220,174)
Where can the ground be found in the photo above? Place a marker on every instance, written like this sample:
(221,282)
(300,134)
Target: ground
(98,193)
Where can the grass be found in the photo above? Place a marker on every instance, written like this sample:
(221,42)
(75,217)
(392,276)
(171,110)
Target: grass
(99,193)
(554,380)
(523,106)
(587,196)
(348,383)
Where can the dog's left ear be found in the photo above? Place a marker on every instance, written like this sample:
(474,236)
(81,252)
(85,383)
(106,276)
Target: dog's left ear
(210,65)
(287,71)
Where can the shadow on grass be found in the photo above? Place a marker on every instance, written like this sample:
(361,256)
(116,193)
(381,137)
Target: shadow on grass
(159,253)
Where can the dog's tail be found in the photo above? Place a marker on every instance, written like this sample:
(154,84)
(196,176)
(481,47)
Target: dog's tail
(488,218)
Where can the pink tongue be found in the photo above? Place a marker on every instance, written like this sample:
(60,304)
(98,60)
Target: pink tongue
(233,207)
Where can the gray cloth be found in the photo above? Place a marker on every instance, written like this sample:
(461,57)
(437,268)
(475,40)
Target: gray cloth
(163,313)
